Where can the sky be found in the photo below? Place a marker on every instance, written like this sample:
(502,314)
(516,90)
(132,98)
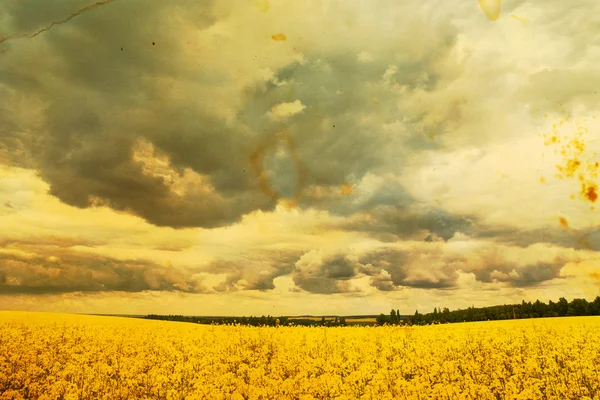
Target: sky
(277,157)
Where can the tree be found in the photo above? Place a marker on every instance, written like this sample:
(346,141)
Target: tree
(381,319)
(539,309)
(595,306)
(417,318)
(562,307)
(578,307)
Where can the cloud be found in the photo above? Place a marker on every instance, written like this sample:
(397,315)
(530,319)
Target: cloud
(100,95)
(389,269)
(395,151)
(512,266)
(584,238)
(432,265)
(560,89)
(418,269)
(282,111)
(39,270)
(122,90)
(325,274)
(252,273)
(416,222)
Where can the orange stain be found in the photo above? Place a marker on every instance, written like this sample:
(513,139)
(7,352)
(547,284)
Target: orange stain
(491,8)
(563,222)
(347,189)
(591,192)
(257,160)
(577,163)
(279,37)
(289,204)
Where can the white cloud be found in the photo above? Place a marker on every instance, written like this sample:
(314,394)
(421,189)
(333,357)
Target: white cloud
(284,111)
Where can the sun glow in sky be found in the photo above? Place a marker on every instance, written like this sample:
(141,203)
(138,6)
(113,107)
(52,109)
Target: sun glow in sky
(237,158)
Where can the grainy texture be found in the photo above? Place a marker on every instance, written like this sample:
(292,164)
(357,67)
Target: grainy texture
(50,356)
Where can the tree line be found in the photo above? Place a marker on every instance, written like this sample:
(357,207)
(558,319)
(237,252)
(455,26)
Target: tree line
(251,321)
(538,309)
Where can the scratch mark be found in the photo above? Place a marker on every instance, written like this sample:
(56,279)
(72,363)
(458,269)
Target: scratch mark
(54,23)
(520,19)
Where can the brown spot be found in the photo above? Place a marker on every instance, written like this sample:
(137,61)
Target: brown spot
(279,37)
(347,189)
(591,193)
(54,23)
(153,43)
(563,222)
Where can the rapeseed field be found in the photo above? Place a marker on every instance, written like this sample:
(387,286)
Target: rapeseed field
(59,356)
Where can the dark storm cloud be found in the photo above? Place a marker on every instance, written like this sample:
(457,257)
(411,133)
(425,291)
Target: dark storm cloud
(341,135)
(91,96)
(521,275)
(101,82)
(414,222)
(388,268)
(64,271)
(587,238)
(383,283)
(417,221)
(258,272)
(327,275)
(427,266)
(407,268)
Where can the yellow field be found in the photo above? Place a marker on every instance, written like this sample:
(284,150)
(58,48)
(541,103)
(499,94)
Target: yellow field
(351,321)
(61,356)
